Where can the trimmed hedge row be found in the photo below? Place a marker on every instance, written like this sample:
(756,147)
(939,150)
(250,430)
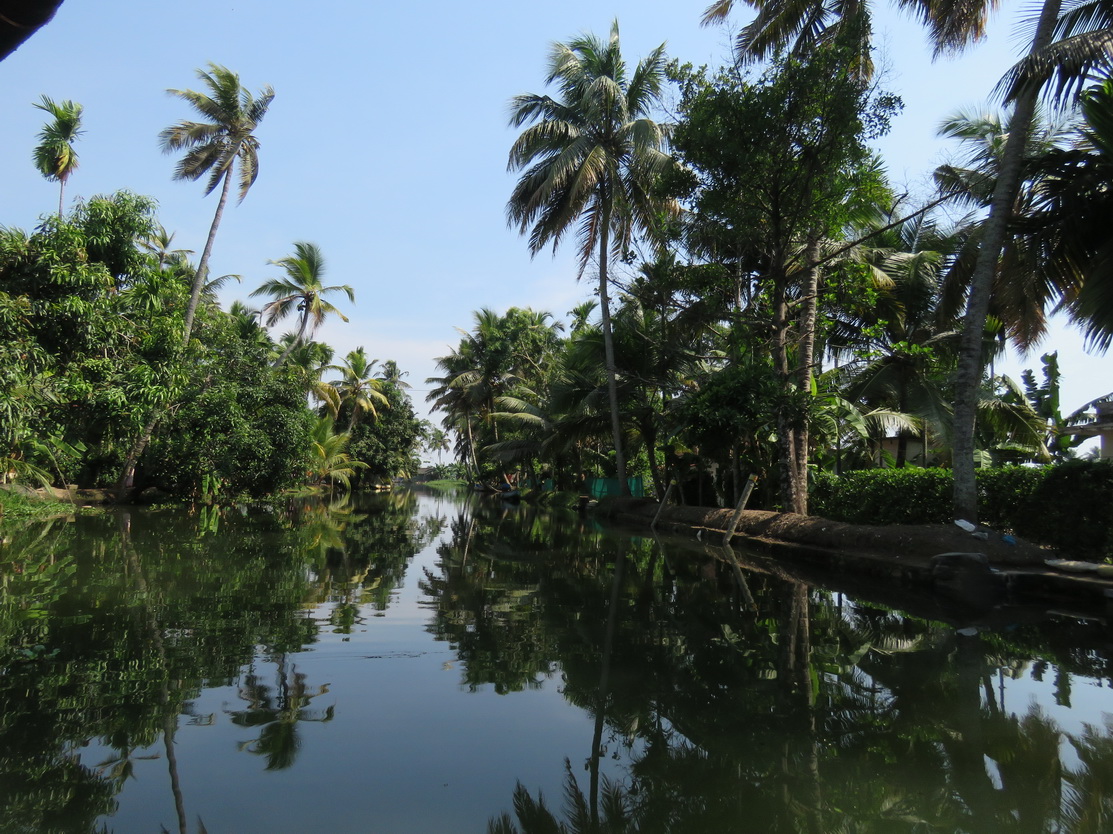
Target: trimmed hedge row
(1068,506)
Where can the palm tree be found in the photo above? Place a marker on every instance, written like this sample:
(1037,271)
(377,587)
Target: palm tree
(54,155)
(302,290)
(392,375)
(1070,218)
(329,460)
(215,147)
(160,246)
(590,160)
(358,387)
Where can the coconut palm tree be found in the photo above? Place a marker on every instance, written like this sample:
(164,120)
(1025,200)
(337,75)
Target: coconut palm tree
(358,387)
(589,160)
(216,147)
(54,155)
(160,245)
(301,290)
(1069,223)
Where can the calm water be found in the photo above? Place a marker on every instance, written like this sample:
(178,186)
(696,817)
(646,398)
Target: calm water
(403,664)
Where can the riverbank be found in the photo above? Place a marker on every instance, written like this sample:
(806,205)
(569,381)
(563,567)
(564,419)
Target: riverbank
(977,571)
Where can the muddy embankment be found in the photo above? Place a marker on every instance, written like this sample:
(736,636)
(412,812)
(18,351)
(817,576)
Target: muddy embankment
(984,568)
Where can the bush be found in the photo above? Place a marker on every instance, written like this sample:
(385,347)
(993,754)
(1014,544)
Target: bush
(1068,506)
(884,496)
(1072,508)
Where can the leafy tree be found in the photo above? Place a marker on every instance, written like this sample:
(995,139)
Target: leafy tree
(1064,49)
(55,157)
(780,167)
(216,147)
(592,158)
(388,445)
(240,426)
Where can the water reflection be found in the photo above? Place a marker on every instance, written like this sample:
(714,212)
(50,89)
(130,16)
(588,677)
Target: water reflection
(654,685)
(112,626)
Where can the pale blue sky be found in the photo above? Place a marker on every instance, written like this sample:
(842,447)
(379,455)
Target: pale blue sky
(386,143)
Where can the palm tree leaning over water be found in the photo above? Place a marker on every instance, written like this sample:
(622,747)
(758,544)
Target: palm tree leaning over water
(214,147)
(302,290)
(55,157)
(590,160)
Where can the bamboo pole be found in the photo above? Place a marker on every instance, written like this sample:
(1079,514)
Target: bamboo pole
(746,490)
(661,506)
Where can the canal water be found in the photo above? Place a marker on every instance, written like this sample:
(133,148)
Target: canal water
(436,663)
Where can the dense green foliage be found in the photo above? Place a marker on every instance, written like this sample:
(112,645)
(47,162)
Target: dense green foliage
(92,366)
(1073,508)
(1068,506)
(797,315)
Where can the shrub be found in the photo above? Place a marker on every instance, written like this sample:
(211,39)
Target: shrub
(1068,506)
(1072,508)
(884,496)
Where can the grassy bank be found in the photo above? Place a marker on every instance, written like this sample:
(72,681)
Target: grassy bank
(18,507)
(447,484)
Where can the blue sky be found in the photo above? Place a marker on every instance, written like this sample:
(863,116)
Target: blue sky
(386,143)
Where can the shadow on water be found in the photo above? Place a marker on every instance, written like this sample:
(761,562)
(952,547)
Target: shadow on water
(697,692)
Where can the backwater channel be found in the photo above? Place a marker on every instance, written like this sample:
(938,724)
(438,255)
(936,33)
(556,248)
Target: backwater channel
(423,662)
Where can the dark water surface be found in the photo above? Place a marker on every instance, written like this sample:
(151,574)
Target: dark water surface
(402,663)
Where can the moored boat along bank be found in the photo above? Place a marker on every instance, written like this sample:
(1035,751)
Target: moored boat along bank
(983,567)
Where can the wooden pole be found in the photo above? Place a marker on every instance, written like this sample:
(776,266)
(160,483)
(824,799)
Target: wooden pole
(661,506)
(746,490)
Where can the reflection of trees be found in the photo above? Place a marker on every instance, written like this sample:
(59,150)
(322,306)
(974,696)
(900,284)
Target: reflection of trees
(794,714)
(88,657)
(277,711)
(360,558)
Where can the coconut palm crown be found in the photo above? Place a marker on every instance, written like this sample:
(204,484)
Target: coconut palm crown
(55,157)
(301,289)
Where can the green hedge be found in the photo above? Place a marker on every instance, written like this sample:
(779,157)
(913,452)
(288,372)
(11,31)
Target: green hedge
(1068,506)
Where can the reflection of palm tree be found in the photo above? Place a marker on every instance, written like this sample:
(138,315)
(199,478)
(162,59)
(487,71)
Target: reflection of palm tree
(534,817)
(278,712)
(1089,789)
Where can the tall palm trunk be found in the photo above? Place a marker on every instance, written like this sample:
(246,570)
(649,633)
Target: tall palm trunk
(127,472)
(969,373)
(61,195)
(786,446)
(608,350)
(808,315)
(203,264)
(297,339)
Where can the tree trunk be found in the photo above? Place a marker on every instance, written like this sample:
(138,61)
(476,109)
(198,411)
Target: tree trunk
(608,352)
(786,451)
(127,475)
(297,339)
(203,264)
(806,351)
(969,374)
